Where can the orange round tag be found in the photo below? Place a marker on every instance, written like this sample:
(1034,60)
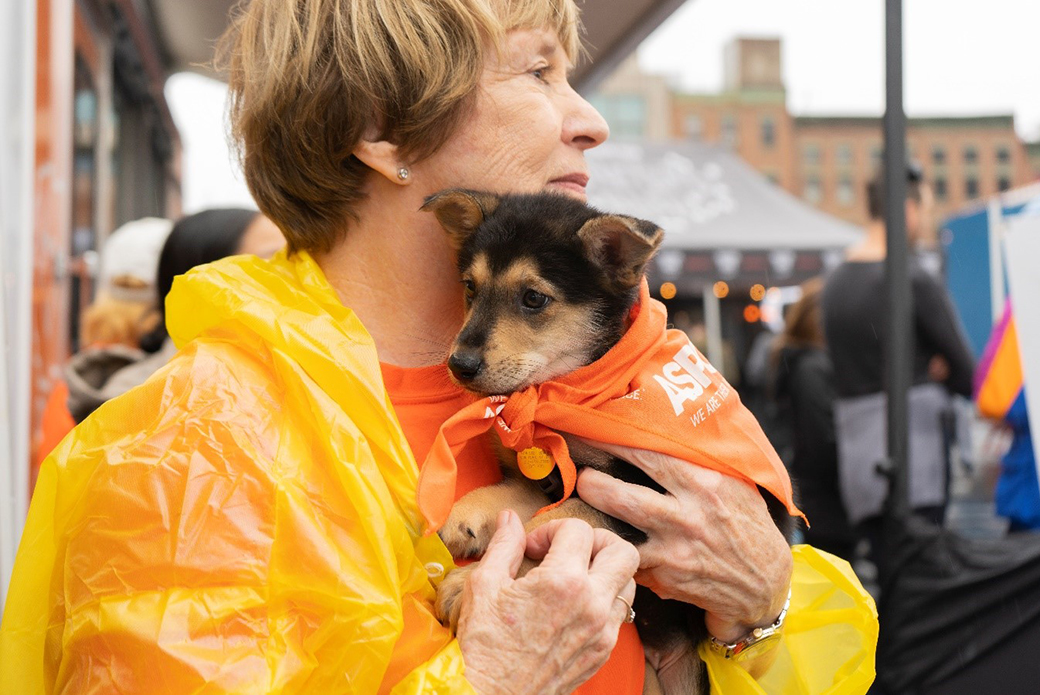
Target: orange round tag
(534,463)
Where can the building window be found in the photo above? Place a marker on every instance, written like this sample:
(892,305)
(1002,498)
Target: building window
(694,127)
(729,130)
(846,195)
(877,153)
(938,155)
(1003,183)
(624,113)
(971,155)
(844,154)
(768,132)
(939,188)
(813,190)
(971,187)
(1003,154)
(811,154)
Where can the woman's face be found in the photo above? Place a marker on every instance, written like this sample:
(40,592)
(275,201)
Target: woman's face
(262,238)
(528,130)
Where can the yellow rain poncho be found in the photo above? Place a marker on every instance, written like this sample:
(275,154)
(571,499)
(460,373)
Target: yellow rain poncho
(246,522)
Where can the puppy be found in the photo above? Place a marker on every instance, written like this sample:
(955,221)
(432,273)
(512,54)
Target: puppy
(550,286)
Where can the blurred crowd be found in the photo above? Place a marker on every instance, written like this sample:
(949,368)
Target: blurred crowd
(818,387)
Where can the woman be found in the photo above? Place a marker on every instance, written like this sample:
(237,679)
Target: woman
(268,538)
(805,389)
(96,375)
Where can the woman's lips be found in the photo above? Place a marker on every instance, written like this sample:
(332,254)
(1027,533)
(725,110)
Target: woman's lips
(571,182)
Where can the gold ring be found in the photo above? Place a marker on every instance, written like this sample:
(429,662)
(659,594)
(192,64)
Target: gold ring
(631,616)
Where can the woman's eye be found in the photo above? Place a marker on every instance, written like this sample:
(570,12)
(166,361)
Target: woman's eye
(542,73)
(535,300)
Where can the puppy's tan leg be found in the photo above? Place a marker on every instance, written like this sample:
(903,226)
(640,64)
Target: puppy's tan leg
(651,686)
(573,508)
(471,524)
(686,674)
(449,597)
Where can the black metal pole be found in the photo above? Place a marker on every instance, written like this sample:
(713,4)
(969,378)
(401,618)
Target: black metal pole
(899,347)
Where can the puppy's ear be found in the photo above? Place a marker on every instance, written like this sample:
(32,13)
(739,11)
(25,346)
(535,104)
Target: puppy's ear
(460,212)
(621,246)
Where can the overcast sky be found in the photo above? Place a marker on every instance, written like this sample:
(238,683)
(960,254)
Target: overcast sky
(962,57)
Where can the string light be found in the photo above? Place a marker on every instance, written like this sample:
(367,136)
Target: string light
(752,314)
(668,290)
(758,292)
(720,289)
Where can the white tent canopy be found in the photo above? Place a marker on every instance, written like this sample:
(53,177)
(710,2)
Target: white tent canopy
(704,197)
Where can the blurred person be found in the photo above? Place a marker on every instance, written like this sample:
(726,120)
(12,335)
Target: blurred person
(123,310)
(804,389)
(757,391)
(246,520)
(98,374)
(855,323)
(124,306)
(1000,395)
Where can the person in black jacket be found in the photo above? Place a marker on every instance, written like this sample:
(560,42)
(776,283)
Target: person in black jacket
(855,321)
(804,389)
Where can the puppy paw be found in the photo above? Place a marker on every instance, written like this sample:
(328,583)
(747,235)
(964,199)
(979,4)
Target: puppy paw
(467,532)
(449,597)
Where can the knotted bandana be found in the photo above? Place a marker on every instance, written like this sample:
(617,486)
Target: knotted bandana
(653,390)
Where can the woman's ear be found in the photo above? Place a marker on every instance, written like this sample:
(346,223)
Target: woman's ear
(383,156)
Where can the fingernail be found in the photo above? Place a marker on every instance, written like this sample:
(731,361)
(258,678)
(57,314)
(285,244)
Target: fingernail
(503,518)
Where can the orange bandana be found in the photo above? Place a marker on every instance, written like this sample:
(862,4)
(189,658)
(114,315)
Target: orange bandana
(653,390)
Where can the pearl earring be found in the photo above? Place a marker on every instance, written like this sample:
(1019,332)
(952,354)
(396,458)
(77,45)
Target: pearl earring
(403,173)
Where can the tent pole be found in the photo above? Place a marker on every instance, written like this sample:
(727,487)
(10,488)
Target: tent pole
(899,343)
(713,328)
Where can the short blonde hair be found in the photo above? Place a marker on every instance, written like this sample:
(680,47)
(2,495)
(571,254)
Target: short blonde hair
(110,321)
(309,78)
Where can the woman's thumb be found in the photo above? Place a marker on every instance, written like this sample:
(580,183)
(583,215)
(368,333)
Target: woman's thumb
(505,552)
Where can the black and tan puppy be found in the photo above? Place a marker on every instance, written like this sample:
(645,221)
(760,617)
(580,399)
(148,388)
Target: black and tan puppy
(550,284)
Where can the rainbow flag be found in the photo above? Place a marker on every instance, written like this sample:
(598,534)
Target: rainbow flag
(998,378)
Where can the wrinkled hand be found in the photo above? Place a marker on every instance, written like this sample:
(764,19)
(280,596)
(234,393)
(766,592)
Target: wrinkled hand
(711,540)
(552,629)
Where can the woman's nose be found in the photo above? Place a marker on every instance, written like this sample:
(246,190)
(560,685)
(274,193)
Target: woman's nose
(584,127)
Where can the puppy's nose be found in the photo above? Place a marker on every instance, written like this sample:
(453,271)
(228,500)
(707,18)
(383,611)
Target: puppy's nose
(465,365)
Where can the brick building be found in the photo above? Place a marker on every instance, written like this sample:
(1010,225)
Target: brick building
(964,158)
(826,160)
(1033,153)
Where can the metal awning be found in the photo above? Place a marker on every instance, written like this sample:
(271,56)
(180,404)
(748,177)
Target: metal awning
(189,29)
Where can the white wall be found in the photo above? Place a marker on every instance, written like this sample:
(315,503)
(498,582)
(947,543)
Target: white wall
(17,96)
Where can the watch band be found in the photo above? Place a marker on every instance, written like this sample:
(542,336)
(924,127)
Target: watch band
(756,636)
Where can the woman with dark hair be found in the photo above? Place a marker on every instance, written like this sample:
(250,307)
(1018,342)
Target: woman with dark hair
(805,390)
(96,375)
(205,237)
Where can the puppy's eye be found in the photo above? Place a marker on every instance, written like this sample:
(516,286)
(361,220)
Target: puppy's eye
(470,289)
(533,299)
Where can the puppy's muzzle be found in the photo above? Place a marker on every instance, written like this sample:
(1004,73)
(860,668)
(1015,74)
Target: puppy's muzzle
(466,365)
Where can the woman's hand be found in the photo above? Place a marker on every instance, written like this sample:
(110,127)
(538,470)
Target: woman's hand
(552,629)
(711,540)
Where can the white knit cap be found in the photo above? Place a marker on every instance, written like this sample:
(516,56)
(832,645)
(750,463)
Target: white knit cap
(130,259)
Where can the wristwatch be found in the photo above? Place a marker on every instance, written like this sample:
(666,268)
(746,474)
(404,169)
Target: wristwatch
(758,636)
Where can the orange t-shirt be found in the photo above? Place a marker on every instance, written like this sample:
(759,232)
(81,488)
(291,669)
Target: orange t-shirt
(424,398)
